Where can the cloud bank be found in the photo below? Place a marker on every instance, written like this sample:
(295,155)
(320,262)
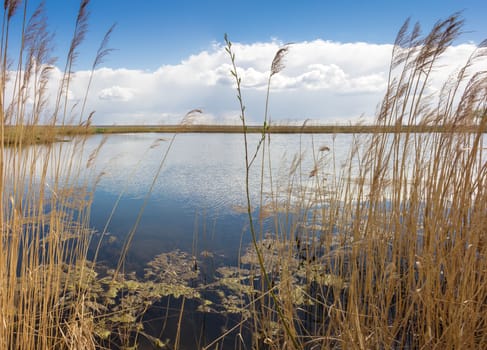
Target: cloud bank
(325,81)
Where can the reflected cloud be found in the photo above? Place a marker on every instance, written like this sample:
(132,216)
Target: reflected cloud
(205,170)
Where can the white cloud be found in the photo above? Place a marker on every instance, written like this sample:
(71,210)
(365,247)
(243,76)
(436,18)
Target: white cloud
(116,93)
(322,80)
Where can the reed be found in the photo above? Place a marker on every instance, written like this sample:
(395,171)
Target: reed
(52,296)
(390,250)
(45,292)
(387,251)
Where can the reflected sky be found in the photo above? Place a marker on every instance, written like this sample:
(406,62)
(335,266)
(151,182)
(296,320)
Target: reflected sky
(208,169)
(202,182)
(197,199)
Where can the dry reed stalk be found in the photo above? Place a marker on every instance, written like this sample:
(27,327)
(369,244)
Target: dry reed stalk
(404,221)
(414,214)
(43,217)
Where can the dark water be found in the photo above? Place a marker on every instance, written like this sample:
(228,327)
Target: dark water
(197,200)
(190,198)
(195,205)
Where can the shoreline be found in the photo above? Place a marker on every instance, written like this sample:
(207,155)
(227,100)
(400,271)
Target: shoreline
(39,133)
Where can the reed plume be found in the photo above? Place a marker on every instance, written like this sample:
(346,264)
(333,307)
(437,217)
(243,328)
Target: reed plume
(393,247)
(44,201)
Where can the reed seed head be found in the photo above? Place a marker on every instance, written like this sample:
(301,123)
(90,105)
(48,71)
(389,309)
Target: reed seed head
(278,61)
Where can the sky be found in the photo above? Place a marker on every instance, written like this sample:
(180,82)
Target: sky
(169,56)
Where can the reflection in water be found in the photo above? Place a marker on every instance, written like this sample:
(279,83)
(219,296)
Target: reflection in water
(195,202)
(208,169)
(194,223)
(194,233)
(192,230)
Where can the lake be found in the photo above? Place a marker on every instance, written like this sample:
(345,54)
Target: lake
(197,204)
(199,193)
(180,201)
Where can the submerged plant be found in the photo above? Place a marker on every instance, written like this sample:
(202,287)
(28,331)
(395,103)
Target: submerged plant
(390,253)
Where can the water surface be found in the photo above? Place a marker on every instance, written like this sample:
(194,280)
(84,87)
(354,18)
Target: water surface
(197,199)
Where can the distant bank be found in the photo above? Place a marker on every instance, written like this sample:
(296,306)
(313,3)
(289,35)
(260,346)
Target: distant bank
(40,134)
(281,129)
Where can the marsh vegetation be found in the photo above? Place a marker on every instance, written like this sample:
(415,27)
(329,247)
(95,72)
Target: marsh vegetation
(387,249)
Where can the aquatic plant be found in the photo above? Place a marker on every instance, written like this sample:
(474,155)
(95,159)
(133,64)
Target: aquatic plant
(387,251)
(45,200)
(398,232)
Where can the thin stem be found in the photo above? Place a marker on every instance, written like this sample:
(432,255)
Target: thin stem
(260,257)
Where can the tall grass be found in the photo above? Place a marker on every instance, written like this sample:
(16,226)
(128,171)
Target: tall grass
(44,204)
(388,251)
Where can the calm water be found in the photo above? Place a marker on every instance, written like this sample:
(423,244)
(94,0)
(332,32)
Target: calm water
(195,200)
(194,203)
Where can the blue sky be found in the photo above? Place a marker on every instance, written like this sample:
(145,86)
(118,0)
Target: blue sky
(169,55)
(154,32)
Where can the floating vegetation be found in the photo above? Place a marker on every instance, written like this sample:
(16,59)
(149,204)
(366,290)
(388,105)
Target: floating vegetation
(234,289)
(301,261)
(174,267)
(115,303)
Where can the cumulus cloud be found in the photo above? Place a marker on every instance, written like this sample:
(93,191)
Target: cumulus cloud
(322,80)
(116,93)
